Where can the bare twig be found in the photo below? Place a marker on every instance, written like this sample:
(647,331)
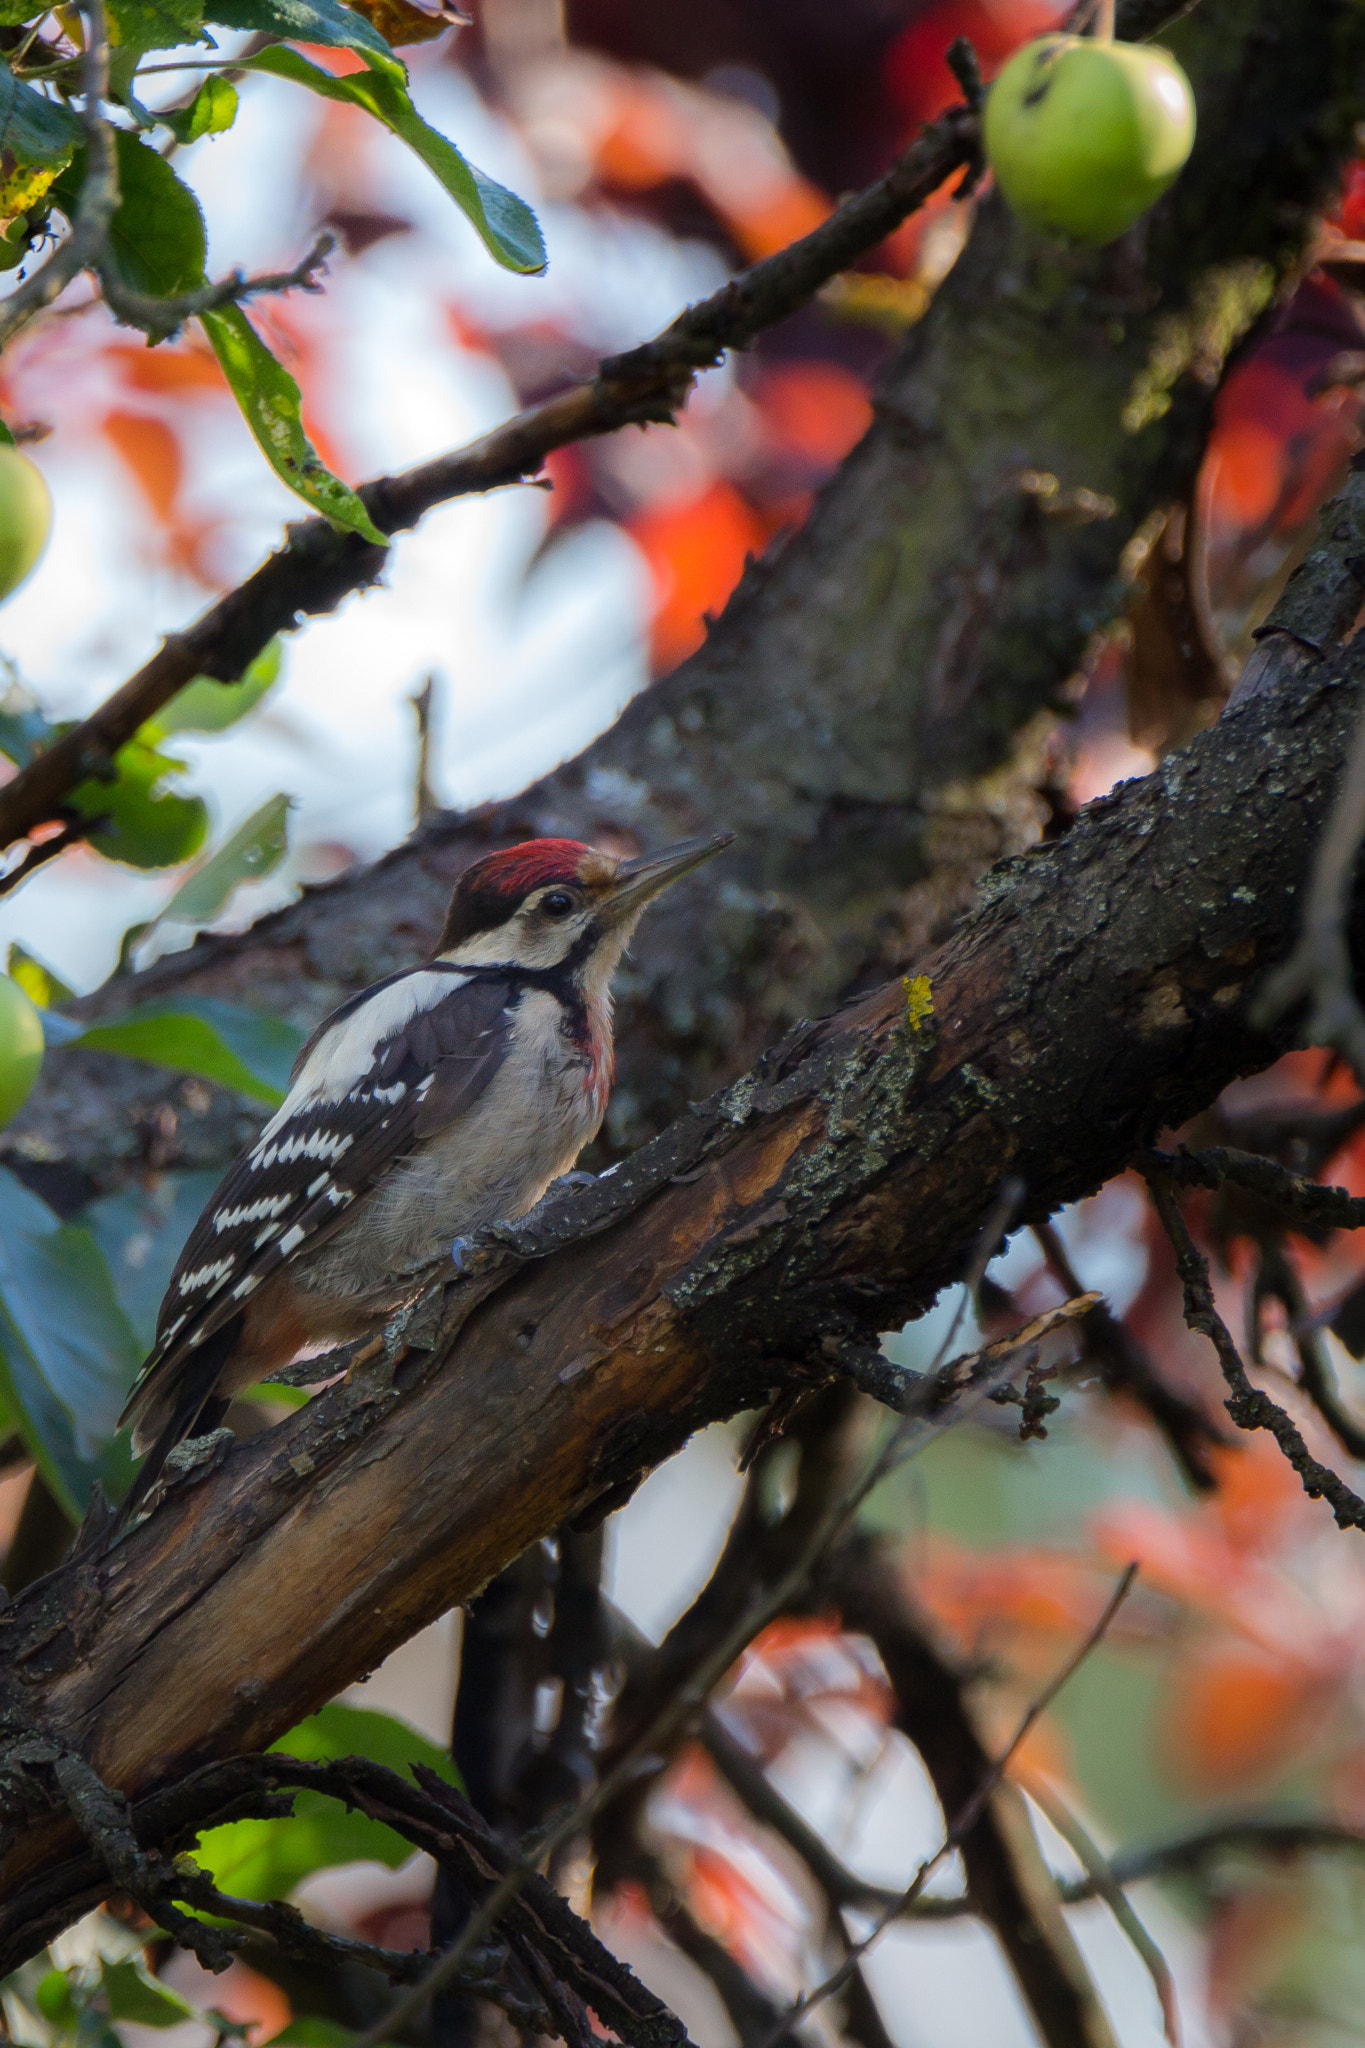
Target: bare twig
(961,1825)
(159,318)
(1106,1887)
(1319,972)
(1248,1406)
(1125,1364)
(319,566)
(1301,1200)
(1278,1279)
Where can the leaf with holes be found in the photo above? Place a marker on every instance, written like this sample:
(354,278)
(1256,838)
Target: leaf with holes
(273,408)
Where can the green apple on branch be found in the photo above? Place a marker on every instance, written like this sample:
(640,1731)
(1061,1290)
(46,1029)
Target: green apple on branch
(25,517)
(21,1046)
(1084,134)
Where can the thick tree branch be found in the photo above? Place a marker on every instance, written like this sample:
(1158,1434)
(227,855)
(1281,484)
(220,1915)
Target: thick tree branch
(1099,992)
(318,565)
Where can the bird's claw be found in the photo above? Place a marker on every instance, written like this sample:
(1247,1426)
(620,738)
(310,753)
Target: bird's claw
(461,1255)
(576,1177)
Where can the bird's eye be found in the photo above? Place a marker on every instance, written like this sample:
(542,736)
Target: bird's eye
(557,904)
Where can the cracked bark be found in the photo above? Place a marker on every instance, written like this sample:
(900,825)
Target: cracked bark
(929,607)
(1100,990)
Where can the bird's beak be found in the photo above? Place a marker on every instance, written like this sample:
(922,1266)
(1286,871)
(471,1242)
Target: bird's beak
(637,881)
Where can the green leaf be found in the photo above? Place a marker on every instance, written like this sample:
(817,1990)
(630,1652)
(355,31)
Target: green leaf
(39,983)
(506,224)
(270,399)
(141,1231)
(263,1859)
(33,130)
(135,1994)
(311,21)
(257,846)
(253,850)
(157,234)
(7,439)
(212,111)
(68,1354)
(206,705)
(147,826)
(24,732)
(155,24)
(242,1049)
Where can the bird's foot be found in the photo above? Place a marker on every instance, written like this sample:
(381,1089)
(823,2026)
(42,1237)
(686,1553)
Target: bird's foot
(462,1253)
(576,1177)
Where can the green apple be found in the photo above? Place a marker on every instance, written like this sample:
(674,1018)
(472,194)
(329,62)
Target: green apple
(21,1046)
(1084,136)
(25,517)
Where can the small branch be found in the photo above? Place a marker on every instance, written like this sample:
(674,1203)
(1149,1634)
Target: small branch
(1106,1886)
(98,201)
(1302,1200)
(1126,1365)
(319,566)
(1319,972)
(37,856)
(1277,1278)
(1248,1406)
(962,1824)
(160,318)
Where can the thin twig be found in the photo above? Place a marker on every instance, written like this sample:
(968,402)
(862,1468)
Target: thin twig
(960,1827)
(1319,972)
(160,318)
(1126,1365)
(98,201)
(1248,1406)
(1106,1886)
(1302,1200)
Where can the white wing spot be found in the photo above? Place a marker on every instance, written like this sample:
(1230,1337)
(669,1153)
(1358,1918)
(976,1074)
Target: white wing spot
(291,1239)
(251,1212)
(246,1286)
(210,1277)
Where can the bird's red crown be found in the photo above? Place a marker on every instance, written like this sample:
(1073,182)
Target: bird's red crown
(488,892)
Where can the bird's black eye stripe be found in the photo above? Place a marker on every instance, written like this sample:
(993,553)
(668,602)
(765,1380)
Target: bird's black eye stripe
(557,903)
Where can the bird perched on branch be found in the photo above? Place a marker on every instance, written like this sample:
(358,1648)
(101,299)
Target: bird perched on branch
(443,1099)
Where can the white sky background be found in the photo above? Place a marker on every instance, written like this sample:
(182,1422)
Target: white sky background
(530,667)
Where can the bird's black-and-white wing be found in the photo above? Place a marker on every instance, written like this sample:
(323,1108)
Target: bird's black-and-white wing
(378,1076)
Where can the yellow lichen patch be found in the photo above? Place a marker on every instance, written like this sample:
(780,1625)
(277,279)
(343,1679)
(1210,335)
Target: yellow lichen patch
(919,1000)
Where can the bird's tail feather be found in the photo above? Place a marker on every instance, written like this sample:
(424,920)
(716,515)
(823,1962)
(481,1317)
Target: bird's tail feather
(196,1410)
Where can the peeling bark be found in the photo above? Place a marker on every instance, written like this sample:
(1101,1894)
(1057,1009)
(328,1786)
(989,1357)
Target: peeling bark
(1099,992)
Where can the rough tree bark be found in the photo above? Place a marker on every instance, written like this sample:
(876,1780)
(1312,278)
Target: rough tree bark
(1100,991)
(929,607)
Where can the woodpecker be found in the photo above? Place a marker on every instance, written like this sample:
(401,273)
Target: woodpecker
(444,1098)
